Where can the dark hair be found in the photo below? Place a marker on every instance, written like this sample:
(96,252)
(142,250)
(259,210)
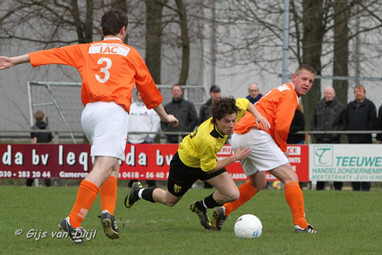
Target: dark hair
(305,67)
(113,21)
(214,88)
(222,106)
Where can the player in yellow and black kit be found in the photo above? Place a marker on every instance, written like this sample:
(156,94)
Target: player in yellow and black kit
(196,159)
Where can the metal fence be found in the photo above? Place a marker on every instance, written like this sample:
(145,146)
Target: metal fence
(61,103)
(65,136)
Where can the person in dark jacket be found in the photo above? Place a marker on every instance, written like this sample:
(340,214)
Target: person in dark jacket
(379,125)
(40,137)
(183,110)
(327,116)
(360,114)
(298,124)
(205,109)
(254,93)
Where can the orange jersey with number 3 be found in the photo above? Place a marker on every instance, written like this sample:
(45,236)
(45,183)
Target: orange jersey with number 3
(109,70)
(278,107)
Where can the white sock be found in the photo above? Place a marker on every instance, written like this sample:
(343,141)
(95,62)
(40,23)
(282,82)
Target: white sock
(140,193)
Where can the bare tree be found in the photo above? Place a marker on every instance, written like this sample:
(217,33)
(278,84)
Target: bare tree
(312,39)
(154,10)
(341,48)
(248,33)
(50,22)
(182,13)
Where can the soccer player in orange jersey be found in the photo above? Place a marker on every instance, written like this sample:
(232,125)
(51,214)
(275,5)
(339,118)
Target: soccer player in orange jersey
(269,149)
(109,70)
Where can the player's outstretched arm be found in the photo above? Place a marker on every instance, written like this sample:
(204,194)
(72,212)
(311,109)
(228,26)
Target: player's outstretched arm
(166,117)
(239,154)
(259,118)
(7,62)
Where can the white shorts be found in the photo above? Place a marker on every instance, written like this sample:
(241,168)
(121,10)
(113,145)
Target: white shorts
(105,125)
(265,154)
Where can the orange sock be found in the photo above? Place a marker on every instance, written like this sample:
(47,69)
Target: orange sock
(86,194)
(247,191)
(295,200)
(108,193)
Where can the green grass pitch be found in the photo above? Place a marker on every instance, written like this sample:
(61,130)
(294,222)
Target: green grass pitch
(349,223)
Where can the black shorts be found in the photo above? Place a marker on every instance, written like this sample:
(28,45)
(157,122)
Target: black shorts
(181,177)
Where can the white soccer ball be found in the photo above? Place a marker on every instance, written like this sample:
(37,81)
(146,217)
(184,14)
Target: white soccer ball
(248,226)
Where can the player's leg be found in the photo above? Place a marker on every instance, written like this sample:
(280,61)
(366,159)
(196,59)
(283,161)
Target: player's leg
(247,190)
(108,195)
(105,126)
(151,194)
(294,197)
(226,191)
(86,194)
(89,188)
(257,182)
(180,179)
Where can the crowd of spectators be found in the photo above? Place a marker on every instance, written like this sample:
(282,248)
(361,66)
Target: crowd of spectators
(328,115)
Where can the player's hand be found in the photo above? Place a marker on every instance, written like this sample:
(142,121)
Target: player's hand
(171,118)
(263,121)
(5,62)
(241,153)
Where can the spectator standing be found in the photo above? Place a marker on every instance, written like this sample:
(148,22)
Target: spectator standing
(40,137)
(327,116)
(183,110)
(298,124)
(379,125)
(254,93)
(142,119)
(205,109)
(360,114)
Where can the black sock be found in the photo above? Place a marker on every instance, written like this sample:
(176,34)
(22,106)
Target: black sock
(210,202)
(199,205)
(147,194)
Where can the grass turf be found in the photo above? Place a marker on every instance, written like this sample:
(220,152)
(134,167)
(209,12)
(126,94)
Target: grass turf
(349,223)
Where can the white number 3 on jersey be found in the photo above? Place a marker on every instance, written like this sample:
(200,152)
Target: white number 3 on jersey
(104,69)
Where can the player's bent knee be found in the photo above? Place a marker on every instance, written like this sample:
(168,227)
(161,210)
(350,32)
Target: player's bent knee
(260,186)
(170,202)
(234,195)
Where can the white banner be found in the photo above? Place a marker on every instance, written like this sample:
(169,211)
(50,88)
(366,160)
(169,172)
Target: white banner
(345,162)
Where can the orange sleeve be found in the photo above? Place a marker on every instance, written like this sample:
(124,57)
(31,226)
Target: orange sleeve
(145,84)
(245,123)
(66,55)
